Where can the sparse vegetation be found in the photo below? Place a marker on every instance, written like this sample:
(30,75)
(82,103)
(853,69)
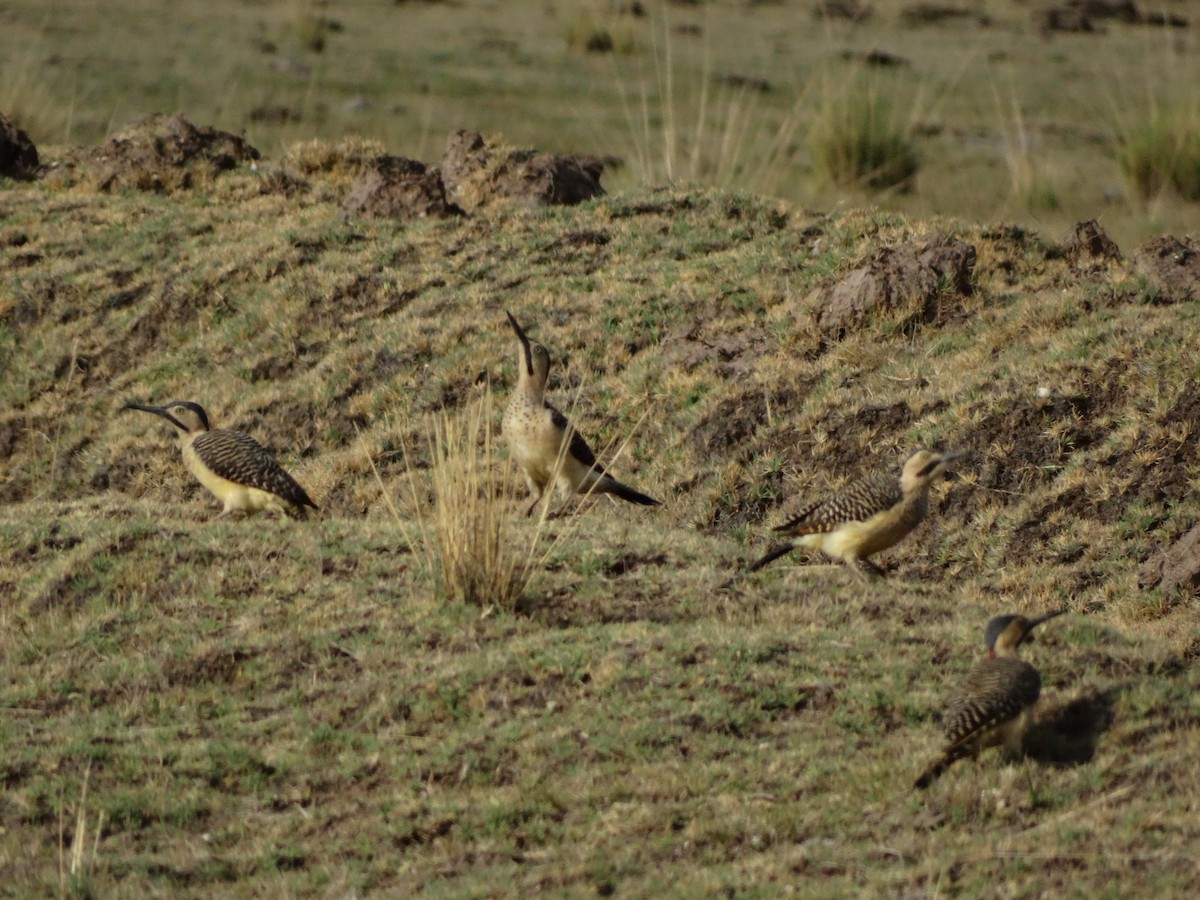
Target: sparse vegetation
(858,139)
(737,114)
(1161,153)
(471,538)
(690,126)
(1032,185)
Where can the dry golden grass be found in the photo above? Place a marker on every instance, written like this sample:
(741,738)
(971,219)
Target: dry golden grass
(470,534)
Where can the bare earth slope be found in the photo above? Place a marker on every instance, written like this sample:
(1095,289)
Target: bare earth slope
(223,707)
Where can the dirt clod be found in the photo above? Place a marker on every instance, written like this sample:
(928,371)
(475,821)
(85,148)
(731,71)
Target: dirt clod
(18,155)
(1171,266)
(1088,246)
(397,188)
(477,175)
(902,281)
(161,153)
(1178,565)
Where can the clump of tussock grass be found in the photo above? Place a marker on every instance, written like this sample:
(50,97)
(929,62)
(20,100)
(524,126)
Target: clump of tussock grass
(857,140)
(588,32)
(347,157)
(471,542)
(1159,152)
(30,104)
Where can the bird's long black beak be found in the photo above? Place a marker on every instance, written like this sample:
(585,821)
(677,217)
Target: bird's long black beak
(158,411)
(524,338)
(942,460)
(1034,623)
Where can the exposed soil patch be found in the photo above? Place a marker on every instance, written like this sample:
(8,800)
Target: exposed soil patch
(630,562)
(1171,266)
(18,154)
(1177,566)
(368,294)
(397,188)
(1161,479)
(575,251)
(728,431)
(161,153)
(1042,525)
(850,432)
(275,368)
(735,353)
(567,609)
(54,541)
(476,175)
(1030,441)
(908,283)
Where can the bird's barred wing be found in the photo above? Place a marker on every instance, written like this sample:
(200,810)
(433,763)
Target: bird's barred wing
(994,692)
(578,447)
(856,502)
(237,457)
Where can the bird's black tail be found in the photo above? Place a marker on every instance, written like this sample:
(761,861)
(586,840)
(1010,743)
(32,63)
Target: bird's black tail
(935,770)
(775,552)
(610,485)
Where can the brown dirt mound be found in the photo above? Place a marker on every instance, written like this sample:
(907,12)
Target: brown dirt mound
(18,154)
(1088,247)
(163,154)
(1171,266)
(398,188)
(904,282)
(477,175)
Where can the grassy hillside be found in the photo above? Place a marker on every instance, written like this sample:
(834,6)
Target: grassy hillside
(203,706)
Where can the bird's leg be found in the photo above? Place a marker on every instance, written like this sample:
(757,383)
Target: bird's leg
(867,570)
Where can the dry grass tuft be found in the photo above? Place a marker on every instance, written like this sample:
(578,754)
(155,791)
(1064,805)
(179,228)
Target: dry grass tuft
(471,540)
(346,157)
(74,862)
(1160,152)
(857,140)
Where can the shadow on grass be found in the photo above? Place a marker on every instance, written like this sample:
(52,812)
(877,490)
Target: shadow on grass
(1066,735)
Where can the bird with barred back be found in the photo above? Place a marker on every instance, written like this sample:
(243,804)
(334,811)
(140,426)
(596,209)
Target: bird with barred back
(865,517)
(237,469)
(994,704)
